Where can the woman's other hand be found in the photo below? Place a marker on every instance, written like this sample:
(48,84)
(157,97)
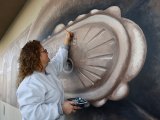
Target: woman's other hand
(69,107)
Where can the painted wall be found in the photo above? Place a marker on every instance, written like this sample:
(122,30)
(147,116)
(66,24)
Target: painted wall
(22,22)
(143,100)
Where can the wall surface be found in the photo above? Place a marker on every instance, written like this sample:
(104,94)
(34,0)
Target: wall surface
(142,103)
(22,22)
(8,112)
(25,18)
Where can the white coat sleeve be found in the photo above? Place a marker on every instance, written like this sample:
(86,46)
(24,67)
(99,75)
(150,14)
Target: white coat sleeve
(32,106)
(60,58)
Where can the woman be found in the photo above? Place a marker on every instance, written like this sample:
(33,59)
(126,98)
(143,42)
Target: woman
(40,92)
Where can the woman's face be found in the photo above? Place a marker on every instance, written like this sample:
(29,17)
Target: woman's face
(44,57)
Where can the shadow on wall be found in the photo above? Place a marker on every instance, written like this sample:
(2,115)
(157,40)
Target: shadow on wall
(142,103)
(120,110)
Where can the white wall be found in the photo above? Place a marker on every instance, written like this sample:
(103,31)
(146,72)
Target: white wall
(8,112)
(22,22)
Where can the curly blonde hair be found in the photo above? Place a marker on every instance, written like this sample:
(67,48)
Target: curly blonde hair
(29,60)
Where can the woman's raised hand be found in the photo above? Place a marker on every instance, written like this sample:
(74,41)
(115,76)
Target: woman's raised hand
(68,38)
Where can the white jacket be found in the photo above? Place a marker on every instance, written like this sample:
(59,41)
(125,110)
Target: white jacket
(41,95)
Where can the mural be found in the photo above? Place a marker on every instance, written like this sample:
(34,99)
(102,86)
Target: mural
(142,103)
(107,52)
